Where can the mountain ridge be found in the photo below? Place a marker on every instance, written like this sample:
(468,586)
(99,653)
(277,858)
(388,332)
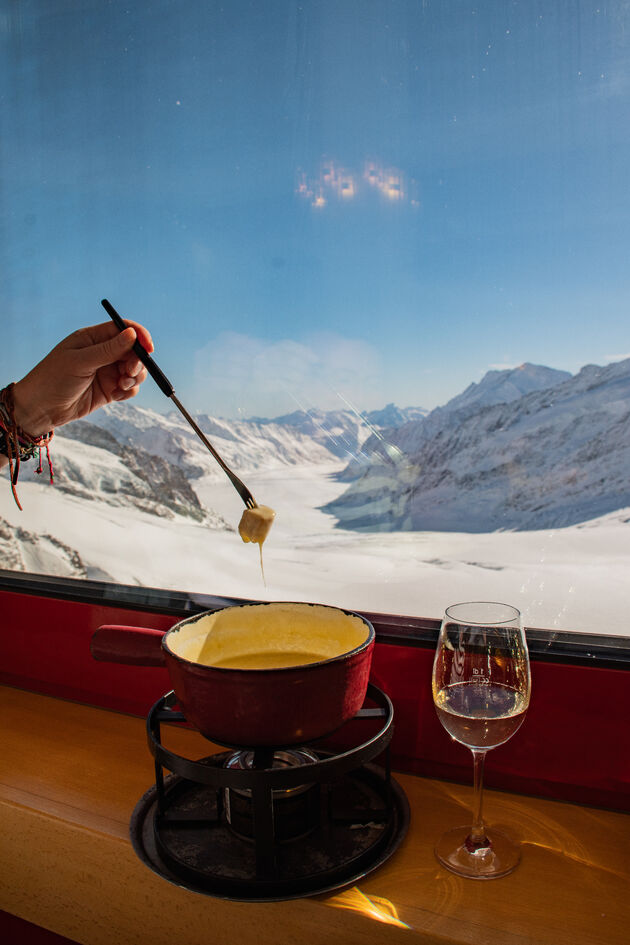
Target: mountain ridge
(553,457)
(495,387)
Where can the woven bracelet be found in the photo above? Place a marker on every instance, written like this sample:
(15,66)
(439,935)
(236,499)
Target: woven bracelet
(17,444)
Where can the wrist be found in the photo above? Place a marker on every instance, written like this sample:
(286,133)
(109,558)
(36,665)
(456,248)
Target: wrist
(27,412)
(16,442)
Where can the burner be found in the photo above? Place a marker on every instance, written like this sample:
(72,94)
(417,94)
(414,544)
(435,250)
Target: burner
(296,808)
(270,824)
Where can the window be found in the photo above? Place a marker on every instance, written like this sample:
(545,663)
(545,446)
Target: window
(382,249)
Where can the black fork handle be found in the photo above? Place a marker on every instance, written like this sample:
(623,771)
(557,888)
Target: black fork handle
(156,373)
(167,388)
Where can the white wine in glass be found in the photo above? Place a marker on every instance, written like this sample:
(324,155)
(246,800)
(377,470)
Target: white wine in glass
(481,691)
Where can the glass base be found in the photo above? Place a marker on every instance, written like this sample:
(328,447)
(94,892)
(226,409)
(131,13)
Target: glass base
(457,853)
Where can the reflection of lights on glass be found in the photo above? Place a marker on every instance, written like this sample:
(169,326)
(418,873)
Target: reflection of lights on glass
(335,180)
(346,187)
(393,188)
(388,181)
(374,907)
(372,174)
(393,452)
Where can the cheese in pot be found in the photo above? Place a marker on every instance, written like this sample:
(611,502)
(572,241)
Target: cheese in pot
(267,659)
(268,636)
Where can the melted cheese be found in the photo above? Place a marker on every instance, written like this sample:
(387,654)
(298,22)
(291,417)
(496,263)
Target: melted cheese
(263,636)
(254,526)
(255,523)
(273,659)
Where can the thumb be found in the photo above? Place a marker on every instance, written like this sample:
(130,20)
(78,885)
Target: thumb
(107,352)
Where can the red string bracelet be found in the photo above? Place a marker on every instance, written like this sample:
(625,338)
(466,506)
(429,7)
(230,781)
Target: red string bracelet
(17,444)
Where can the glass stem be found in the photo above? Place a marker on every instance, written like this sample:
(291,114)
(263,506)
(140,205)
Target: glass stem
(477,839)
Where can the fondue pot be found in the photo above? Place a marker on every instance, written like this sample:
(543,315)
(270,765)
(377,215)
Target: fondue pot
(257,675)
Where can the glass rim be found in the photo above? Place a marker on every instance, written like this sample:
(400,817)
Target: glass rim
(509,613)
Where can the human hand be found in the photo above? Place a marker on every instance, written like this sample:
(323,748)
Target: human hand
(90,368)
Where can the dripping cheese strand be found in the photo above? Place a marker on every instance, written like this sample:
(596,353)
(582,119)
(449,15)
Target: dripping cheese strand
(254,526)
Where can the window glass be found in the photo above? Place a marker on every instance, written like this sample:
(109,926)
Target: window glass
(382,251)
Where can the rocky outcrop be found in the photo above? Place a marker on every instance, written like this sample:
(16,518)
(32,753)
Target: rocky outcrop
(23,550)
(90,463)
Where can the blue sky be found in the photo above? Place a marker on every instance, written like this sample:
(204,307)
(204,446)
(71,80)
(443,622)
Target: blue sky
(312,201)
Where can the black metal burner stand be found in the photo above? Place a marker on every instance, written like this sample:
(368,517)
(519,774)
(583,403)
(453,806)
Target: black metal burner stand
(266,829)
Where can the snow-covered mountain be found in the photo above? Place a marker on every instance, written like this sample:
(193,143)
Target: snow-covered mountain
(243,444)
(393,416)
(502,387)
(526,448)
(550,458)
(340,432)
(343,432)
(127,506)
(92,465)
(38,552)
(496,387)
(131,459)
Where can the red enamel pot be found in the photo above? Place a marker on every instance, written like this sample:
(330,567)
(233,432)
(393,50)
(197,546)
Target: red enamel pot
(257,675)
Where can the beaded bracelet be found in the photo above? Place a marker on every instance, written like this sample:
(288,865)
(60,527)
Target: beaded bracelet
(17,444)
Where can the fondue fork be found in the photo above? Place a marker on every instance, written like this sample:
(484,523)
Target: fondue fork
(167,388)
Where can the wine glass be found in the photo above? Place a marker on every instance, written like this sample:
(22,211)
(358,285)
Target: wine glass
(481,690)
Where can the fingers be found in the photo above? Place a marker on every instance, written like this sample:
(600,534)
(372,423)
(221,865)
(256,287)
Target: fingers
(104,332)
(124,392)
(112,350)
(144,337)
(130,379)
(109,351)
(132,368)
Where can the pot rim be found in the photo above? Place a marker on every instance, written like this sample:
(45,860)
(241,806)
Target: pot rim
(367,643)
